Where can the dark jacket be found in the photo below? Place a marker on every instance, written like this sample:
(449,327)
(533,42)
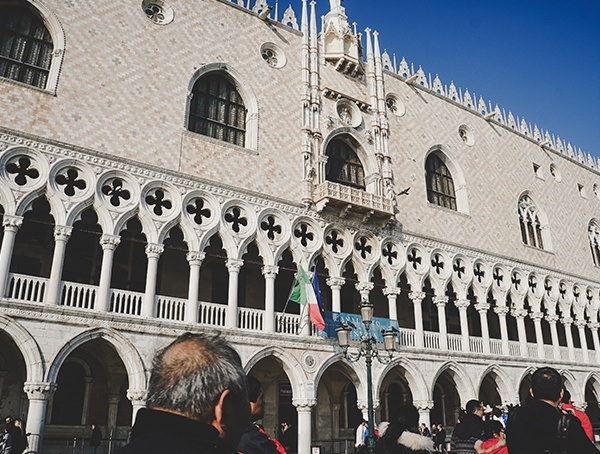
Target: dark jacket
(159,432)
(466,433)
(533,429)
(440,437)
(256,442)
(407,443)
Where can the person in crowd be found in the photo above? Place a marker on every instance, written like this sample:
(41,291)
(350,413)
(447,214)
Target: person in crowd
(287,436)
(360,442)
(382,428)
(197,401)
(567,404)
(540,426)
(255,440)
(469,429)
(95,438)
(425,430)
(6,445)
(492,440)
(403,437)
(440,439)
(19,438)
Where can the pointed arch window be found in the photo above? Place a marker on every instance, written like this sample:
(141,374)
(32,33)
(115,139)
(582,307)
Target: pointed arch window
(343,165)
(217,109)
(440,185)
(25,45)
(594,237)
(531,226)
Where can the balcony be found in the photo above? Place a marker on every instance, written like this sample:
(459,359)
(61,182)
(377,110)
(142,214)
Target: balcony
(347,199)
(31,289)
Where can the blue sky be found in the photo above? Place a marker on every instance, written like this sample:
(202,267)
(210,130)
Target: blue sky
(539,59)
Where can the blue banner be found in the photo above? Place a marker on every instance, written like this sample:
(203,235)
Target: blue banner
(333,320)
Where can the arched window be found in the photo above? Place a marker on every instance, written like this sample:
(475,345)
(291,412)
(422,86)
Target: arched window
(594,237)
(440,186)
(531,227)
(343,165)
(25,46)
(217,110)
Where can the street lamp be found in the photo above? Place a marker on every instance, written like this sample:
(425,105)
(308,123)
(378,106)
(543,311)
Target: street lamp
(368,349)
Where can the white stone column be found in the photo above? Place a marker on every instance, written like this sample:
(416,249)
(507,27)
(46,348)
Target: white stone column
(502,310)
(482,309)
(194,259)
(11,226)
(392,296)
(335,284)
(520,315)
(109,244)
(270,274)
(138,400)
(440,302)
(153,252)
(86,400)
(38,394)
(594,328)
(424,407)
(539,337)
(462,305)
(584,347)
(552,319)
(233,266)
(567,322)
(417,300)
(304,409)
(61,237)
(113,408)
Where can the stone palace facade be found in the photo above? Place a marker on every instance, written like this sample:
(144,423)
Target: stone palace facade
(166,165)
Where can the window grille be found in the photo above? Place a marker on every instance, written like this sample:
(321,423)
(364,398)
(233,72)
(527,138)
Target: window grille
(440,186)
(217,110)
(343,165)
(25,46)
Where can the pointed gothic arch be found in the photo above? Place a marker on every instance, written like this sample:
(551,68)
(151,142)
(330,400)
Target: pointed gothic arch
(445,181)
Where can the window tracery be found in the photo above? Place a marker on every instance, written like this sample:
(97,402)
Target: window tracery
(594,237)
(531,226)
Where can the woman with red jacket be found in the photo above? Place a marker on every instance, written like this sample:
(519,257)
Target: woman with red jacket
(493,439)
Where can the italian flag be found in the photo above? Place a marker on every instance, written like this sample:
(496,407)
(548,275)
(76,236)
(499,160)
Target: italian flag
(303,293)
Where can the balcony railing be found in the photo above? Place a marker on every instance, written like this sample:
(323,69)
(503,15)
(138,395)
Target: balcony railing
(82,296)
(352,199)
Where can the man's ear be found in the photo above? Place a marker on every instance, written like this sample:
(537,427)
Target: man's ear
(531,392)
(219,422)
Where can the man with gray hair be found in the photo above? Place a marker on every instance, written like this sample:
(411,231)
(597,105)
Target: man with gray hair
(197,400)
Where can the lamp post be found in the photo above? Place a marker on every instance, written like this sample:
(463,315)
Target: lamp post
(368,348)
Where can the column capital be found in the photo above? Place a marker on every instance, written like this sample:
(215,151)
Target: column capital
(593,325)
(234,265)
(11,222)
(552,318)
(153,250)
(304,404)
(39,390)
(501,310)
(334,282)
(423,405)
(520,313)
(137,396)
(388,291)
(108,241)
(195,257)
(462,304)
(114,399)
(567,321)
(482,307)
(537,315)
(364,287)
(62,232)
(270,271)
(440,300)
(416,296)
(580,323)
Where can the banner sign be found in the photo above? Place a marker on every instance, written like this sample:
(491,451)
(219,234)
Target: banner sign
(333,320)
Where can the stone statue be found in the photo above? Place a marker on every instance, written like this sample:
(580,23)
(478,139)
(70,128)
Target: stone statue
(334,4)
